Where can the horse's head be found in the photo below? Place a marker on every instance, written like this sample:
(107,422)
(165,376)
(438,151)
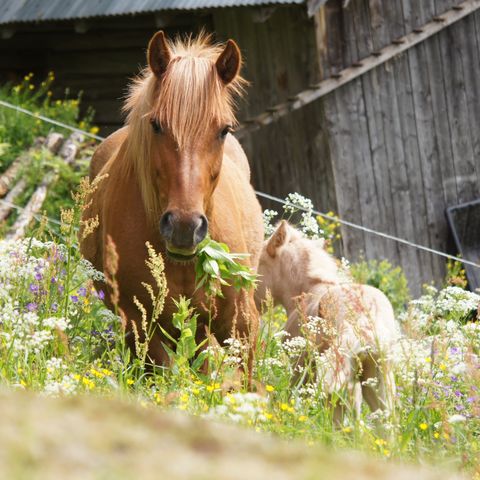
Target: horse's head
(291,264)
(190,114)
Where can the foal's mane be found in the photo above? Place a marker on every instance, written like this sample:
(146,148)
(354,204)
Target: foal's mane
(188,98)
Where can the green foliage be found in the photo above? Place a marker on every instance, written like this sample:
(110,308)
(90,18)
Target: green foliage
(216,266)
(456,275)
(18,131)
(382,275)
(185,354)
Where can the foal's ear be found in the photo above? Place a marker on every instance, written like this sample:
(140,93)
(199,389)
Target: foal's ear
(229,61)
(158,54)
(278,239)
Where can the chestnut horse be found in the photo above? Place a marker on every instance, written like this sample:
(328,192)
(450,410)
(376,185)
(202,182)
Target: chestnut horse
(174,174)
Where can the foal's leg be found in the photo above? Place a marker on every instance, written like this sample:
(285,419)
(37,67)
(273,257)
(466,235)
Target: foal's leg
(371,370)
(381,396)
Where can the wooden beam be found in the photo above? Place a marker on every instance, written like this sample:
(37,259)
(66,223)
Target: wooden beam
(361,67)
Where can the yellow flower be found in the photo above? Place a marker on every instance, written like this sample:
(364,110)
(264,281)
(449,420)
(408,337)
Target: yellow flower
(31,87)
(76,376)
(428,360)
(195,391)
(211,388)
(380,442)
(386,452)
(268,416)
(96,373)
(436,435)
(269,388)
(423,426)
(105,371)
(94,130)
(88,383)
(284,406)
(130,381)
(347,429)
(302,418)
(442,367)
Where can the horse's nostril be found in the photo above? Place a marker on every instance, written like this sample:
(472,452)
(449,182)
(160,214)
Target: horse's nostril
(166,225)
(201,230)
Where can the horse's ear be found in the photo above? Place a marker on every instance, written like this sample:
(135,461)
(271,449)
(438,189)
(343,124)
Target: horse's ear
(229,61)
(158,54)
(278,239)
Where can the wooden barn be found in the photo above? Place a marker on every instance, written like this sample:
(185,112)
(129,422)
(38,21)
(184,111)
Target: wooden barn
(369,107)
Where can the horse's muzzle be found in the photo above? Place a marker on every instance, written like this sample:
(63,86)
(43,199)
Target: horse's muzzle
(182,234)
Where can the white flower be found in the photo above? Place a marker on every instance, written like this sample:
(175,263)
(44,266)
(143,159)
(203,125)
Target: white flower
(457,419)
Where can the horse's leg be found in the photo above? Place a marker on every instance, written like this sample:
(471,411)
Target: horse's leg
(246,327)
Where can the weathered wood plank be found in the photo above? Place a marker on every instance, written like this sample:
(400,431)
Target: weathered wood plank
(425,176)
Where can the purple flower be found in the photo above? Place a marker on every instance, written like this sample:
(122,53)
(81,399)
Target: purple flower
(458,393)
(459,408)
(33,288)
(60,289)
(38,276)
(453,378)
(471,399)
(82,291)
(54,307)
(101,294)
(454,350)
(74,298)
(31,307)
(53,280)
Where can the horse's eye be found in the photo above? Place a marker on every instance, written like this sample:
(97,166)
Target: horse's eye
(156,126)
(225,131)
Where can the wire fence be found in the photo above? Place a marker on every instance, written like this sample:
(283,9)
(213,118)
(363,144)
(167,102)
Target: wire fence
(261,194)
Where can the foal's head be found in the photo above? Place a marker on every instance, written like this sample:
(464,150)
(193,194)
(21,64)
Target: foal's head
(180,114)
(291,264)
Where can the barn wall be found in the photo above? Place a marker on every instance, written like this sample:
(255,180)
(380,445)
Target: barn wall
(280,52)
(404,138)
(98,63)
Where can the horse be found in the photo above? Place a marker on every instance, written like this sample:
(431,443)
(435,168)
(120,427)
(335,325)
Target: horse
(173,174)
(355,327)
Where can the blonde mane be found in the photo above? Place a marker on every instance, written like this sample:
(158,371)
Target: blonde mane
(189,97)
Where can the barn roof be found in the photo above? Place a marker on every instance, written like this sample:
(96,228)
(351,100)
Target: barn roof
(43,10)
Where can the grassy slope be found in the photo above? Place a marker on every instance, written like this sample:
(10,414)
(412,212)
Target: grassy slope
(89,437)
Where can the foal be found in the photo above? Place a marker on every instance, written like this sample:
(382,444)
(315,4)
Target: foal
(356,322)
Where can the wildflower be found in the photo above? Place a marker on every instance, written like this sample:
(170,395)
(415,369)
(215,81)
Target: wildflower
(94,130)
(88,383)
(346,429)
(423,426)
(380,442)
(457,418)
(130,381)
(269,388)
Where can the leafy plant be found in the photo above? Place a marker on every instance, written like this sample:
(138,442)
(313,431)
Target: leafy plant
(186,348)
(216,266)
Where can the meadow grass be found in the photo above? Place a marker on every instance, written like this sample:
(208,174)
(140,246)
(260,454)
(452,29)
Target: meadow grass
(58,339)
